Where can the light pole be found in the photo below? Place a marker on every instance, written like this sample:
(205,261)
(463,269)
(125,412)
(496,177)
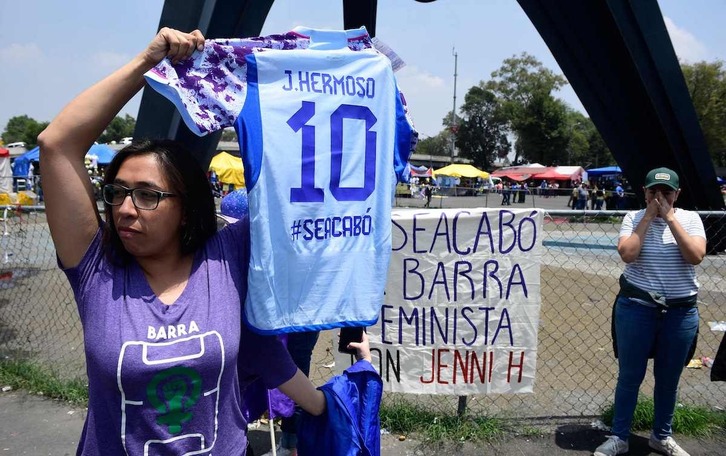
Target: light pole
(453,111)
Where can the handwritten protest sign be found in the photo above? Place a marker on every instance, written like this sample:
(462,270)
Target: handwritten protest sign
(461,308)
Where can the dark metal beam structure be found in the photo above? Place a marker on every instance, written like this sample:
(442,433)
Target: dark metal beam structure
(158,118)
(360,12)
(618,56)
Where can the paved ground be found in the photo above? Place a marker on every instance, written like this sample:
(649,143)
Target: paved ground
(36,426)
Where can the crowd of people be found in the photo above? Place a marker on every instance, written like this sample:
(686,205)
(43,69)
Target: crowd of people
(593,195)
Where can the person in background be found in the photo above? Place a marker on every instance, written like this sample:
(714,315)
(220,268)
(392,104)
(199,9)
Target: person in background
(154,282)
(619,196)
(30,179)
(514,192)
(655,311)
(583,196)
(523,192)
(506,195)
(428,191)
(572,203)
(599,197)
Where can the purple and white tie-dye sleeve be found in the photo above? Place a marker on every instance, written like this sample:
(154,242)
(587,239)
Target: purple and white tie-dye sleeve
(209,88)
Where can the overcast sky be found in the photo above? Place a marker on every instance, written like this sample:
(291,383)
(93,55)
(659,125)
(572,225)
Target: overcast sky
(50,50)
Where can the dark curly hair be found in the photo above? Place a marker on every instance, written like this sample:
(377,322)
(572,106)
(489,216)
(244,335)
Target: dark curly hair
(186,179)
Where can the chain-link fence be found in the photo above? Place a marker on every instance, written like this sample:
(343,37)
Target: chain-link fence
(576,370)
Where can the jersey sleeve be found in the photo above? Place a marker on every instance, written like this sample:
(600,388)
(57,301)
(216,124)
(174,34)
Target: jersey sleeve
(406,138)
(209,88)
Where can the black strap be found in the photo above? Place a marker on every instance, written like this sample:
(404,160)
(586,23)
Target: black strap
(629,290)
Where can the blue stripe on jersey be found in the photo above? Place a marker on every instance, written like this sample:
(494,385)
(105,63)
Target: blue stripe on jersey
(307,328)
(249,127)
(403,140)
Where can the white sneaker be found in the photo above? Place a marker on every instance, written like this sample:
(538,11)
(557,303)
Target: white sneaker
(667,446)
(614,445)
(282,451)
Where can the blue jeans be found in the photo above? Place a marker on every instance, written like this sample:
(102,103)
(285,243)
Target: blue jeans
(300,346)
(639,330)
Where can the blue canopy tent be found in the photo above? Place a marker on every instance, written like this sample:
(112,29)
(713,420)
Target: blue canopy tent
(104,153)
(22,162)
(595,172)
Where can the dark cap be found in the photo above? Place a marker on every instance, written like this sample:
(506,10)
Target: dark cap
(662,176)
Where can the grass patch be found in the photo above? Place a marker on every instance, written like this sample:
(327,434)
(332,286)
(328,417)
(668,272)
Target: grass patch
(405,418)
(687,420)
(600,219)
(530,431)
(30,377)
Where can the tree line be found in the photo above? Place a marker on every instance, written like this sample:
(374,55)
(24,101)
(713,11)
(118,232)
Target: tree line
(515,111)
(27,129)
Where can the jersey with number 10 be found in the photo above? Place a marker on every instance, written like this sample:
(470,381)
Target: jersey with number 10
(323,135)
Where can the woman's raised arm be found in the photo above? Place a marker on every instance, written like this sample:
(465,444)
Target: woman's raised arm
(71,209)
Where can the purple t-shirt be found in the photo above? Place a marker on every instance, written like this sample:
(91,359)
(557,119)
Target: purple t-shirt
(166,379)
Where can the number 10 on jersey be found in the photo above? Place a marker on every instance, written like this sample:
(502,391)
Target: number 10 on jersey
(308,192)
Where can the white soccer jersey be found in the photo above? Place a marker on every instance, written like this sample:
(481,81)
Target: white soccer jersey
(323,135)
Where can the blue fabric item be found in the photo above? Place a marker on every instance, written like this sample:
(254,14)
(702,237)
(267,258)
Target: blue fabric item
(21,164)
(20,169)
(350,426)
(235,204)
(104,153)
(603,171)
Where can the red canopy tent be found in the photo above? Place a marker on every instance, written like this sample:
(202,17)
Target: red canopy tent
(6,173)
(560,173)
(519,173)
(511,175)
(426,172)
(550,174)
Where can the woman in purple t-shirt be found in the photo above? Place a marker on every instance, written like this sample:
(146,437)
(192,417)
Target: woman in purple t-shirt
(159,290)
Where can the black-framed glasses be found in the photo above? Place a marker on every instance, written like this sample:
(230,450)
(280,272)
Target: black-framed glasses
(143,198)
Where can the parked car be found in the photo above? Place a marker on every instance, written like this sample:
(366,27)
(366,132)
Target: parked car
(126,140)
